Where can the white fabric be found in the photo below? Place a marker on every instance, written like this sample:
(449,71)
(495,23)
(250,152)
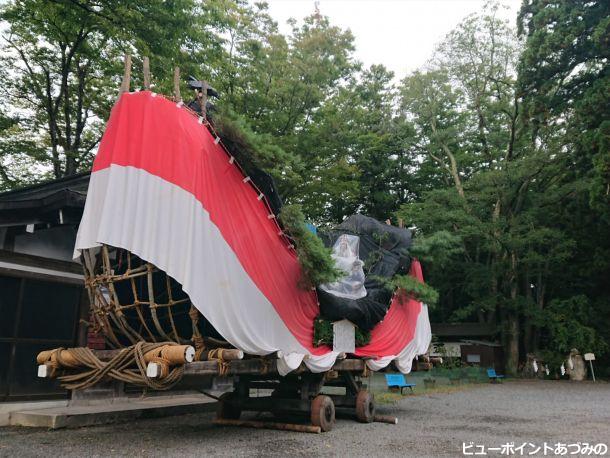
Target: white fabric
(288,363)
(129,208)
(345,254)
(418,346)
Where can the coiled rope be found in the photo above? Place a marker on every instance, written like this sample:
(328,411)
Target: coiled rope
(120,367)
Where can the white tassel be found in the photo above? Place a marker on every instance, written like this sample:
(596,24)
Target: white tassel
(179,104)
(200,119)
(245,180)
(260,196)
(217,140)
(271,216)
(231,160)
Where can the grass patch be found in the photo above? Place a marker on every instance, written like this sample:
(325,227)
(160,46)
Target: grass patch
(389,397)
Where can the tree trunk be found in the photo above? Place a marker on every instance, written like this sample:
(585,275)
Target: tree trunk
(512,343)
(512,322)
(528,327)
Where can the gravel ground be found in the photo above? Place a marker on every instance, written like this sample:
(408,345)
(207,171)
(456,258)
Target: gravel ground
(434,424)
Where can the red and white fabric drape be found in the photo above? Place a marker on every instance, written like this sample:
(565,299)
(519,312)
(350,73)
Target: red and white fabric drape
(164,188)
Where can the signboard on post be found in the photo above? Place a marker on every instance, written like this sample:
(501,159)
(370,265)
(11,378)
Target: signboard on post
(590,357)
(344,336)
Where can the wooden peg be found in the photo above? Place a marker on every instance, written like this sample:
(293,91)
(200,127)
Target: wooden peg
(177,96)
(146,74)
(126,74)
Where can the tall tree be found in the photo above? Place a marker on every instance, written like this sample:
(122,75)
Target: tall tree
(496,184)
(564,78)
(64,58)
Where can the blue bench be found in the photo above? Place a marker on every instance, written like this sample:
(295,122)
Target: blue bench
(493,377)
(398,381)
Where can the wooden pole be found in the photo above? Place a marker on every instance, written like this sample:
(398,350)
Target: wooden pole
(204,98)
(126,74)
(146,73)
(385,419)
(269,425)
(173,354)
(225,354)
(177,96)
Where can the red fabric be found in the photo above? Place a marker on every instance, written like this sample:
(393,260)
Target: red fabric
(152,134)
(398,327)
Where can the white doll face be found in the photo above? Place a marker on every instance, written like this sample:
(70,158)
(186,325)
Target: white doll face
(345,248)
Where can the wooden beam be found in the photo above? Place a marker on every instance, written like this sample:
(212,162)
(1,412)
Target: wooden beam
(256,367)
(177,96)
(269,425)
(146,73)
(204,98)
(126,74)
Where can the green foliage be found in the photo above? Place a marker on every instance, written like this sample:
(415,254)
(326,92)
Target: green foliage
(65,57)
(323,334)
(317,265)
(438,248)
(258,149)
(564,321)
(413,287)
(564,73)
(19,154)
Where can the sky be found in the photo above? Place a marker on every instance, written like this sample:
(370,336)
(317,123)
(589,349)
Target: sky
(400,34)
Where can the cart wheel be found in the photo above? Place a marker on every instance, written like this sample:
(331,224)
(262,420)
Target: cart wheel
(323,412)
(228,407)
(365,407)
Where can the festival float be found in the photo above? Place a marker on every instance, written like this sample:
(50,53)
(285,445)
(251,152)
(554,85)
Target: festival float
(192,275)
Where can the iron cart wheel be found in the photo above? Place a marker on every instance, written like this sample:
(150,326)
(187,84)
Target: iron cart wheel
(323,412)
(365,407)
(228,407)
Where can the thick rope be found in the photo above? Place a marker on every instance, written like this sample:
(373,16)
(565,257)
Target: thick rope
(121,368)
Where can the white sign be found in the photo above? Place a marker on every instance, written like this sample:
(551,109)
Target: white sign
(344,336)
(589,357)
